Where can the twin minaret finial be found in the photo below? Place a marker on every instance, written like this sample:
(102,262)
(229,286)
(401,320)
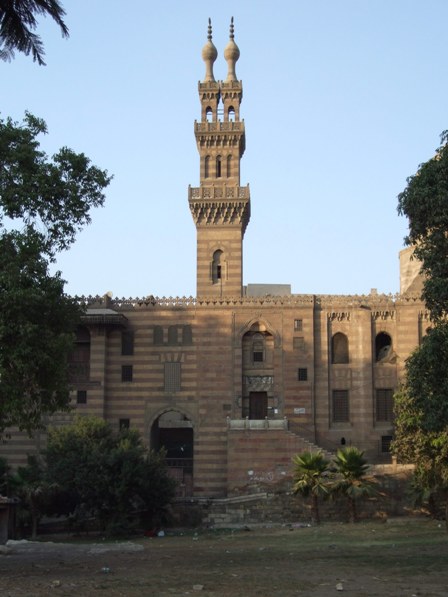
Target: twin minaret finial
(210,53)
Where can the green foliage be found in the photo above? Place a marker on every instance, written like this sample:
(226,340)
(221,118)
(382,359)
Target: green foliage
(351,477)
(5,477)
(34,490)
(49,198)
(43,203)
(18,22)
(425,203)
(36,334)
(310,478)
(106,475)
(421,405)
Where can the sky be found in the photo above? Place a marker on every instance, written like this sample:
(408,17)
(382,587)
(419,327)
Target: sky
(343,99)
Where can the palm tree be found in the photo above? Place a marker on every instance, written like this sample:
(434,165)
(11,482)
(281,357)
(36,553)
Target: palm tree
(309,478)
(352,482)
(18,21)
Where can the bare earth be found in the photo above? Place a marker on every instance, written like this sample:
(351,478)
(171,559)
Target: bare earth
(383,559)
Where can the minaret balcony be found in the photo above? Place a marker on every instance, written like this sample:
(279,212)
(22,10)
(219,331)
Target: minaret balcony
(215,127)
(218,192)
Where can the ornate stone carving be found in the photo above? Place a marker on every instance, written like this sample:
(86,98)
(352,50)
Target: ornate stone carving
(258,383)
(339,316)
(383,315)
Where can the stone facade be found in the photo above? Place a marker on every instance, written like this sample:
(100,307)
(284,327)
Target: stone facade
(236,381)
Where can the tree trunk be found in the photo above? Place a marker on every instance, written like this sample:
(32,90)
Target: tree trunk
(315,509)
(34,520)
(352,509)
(446,512)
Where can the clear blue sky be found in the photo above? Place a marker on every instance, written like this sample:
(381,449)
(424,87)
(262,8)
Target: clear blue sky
(342,100)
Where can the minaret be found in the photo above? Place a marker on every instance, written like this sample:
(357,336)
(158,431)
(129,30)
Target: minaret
(220,206)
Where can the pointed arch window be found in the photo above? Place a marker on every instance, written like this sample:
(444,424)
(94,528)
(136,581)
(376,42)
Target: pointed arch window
(209,114)
(231,114)
(339,349)
(217,266)
(79,360)
(383,347)
(172,335)
(158,335)
(218,167)
(207,166)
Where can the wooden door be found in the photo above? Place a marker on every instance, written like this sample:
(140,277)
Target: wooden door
(258,405)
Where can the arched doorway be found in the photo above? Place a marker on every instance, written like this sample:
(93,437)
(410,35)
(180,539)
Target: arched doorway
(258,373)
(173,432)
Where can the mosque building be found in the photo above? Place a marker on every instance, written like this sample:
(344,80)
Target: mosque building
(234,382)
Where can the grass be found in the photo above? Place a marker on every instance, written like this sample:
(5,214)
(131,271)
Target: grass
(368,559)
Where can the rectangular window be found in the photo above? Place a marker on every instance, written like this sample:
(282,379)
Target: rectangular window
(127,373)
(340,406)
(257,356)
(81,397)
(384,405)
(127,342)
(298,325)
(172,377)
(302,374)
(124,424)
(385,443)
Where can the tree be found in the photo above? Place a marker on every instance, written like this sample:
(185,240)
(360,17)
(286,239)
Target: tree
(18,22)
(50,200)
(421,405)
(106,475)
(310,479)
(43,204)
(5,477)
(425,203)
(352,481)
(421,416)
(34,490)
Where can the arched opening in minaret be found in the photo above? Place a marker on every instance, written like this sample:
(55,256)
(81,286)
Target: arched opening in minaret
(231,114)
(229,166)
(172,431)
(209,114)
(217,266)
(218,167)
(207,166)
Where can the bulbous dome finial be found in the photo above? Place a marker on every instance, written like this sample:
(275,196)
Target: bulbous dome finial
(231,54)
(209,55)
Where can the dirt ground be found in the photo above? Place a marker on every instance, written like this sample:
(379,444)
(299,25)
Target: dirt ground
(392,559)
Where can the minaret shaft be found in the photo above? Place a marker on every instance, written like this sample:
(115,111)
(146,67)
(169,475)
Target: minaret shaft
(220,206)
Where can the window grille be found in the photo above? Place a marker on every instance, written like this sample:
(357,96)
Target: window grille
(127,372)
(81,397)
(384,405)
(172,377)
(385,443)
(340,406)
(302,374)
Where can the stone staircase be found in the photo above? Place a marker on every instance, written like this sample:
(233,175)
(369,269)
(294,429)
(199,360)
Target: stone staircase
(259,458)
